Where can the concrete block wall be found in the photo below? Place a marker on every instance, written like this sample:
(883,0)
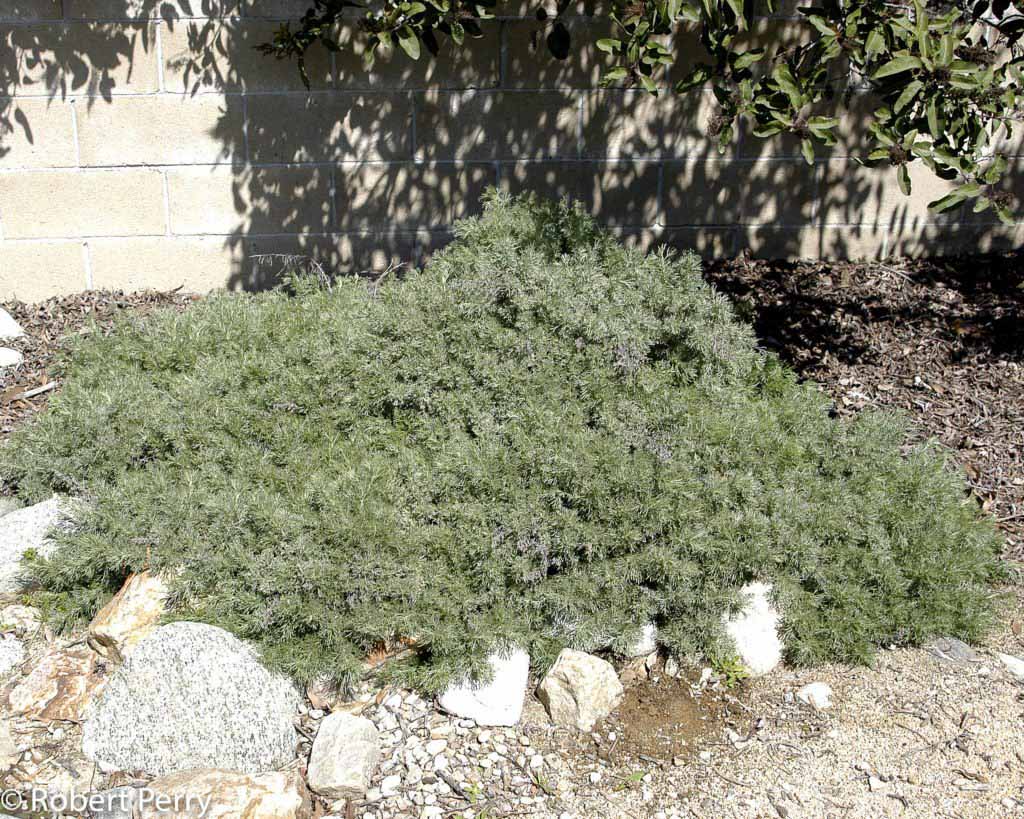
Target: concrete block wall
(148,144)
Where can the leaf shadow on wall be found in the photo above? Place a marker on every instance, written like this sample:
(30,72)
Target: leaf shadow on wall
(369,169)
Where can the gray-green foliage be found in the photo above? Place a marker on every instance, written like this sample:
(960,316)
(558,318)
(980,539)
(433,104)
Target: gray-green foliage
(542,438)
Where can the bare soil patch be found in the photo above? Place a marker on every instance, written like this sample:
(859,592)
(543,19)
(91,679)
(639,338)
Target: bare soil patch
(663,720)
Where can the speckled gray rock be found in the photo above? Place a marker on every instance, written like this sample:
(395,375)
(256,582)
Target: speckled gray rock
(953,650)
(25,529)
(344,756)
(116,803)
(9,504)
(9,328)
(192,696)
(12,653)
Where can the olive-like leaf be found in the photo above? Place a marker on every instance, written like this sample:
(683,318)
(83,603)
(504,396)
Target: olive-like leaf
(807,149)
(908,94)
(898,65)
(409,42)
(903,177)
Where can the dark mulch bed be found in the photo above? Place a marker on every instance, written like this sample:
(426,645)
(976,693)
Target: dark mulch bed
(940,339)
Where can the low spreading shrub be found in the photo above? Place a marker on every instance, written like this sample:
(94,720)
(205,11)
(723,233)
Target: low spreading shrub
(543,438)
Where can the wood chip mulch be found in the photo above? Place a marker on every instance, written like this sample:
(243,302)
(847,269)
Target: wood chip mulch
(940,339)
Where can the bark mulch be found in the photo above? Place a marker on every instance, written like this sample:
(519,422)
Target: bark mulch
(940,339)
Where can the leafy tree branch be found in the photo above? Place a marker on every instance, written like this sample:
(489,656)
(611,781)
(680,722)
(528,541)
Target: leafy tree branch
(946,78)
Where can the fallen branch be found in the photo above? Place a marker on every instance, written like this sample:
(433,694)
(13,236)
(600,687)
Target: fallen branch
(33,392)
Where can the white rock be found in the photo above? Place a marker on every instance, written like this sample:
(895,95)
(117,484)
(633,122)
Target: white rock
(499,702)
(10,358)
(1015,665)
(816,694)
(579,689)
(9,328)
(345,755)
(191,695)
(755,630)
(25,529)
(672,667)
(645,643)
(12,653)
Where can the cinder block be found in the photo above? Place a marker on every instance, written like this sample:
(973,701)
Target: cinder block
(147,9)
(342,126)
(635,124)
(221,55)
(854,194)
(687,51)
(221,199)
(429,242)
(268,257)
(813,241)
(34,271)
(42,134)
(196,264)
(706,242)
(571,8)
(474,65)
(496,125)
(30,10)
(410,195)
(529,63)
(91,59)
(281,9)
(164,129)
(615,193)
(66,203)
(725,192)
(952,239)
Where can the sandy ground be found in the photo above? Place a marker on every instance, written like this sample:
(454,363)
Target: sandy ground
(913,736)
